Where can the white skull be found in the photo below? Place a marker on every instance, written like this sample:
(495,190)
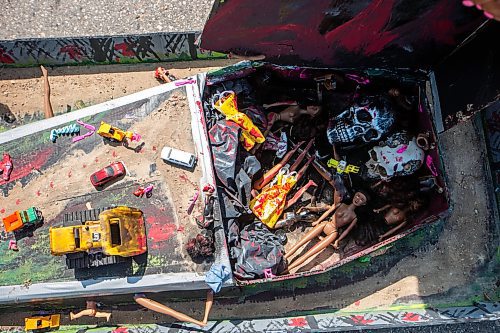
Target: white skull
(398,156)
(365,121)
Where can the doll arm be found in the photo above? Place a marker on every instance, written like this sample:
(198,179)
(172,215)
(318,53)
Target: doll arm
(345,233)
(393,230)
(267,106)
(378,210)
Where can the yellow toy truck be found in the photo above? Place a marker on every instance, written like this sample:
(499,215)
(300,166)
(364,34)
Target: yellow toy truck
(42,323)
(115,134)
(100,238)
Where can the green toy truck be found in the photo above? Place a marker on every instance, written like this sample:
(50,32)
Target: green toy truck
(20,219)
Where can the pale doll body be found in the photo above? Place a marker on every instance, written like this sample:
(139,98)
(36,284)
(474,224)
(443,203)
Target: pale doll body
(394,217)
(344,216)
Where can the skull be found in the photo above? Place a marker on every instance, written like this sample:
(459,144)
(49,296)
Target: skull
(365,121)
(399,155)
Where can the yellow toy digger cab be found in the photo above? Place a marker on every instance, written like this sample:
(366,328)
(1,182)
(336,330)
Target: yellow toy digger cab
(99,238)
(115,134)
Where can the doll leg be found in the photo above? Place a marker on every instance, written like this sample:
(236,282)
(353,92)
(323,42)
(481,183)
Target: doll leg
(86,312)
(315,249)
(106,315)
(313,233)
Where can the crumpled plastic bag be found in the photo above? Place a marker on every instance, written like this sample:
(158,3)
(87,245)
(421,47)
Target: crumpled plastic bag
(226,103)
(216,276)
(259,251)
(270,203)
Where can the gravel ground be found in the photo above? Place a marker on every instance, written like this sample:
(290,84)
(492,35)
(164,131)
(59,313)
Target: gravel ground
(76,18)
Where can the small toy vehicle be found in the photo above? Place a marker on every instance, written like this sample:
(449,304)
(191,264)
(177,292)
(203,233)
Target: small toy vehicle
(6,166)
(20,219)
(115,134)
(178,157)
(39,323)
(107,174)
(97,240)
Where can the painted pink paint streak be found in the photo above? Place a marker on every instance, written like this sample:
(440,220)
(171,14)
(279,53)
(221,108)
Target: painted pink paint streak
(114,153)
(51,184)
(402,149)
(297,322)
(18,201)
(357,303)
(120,330)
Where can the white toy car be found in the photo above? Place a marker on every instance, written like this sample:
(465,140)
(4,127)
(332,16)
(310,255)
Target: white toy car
(178,157)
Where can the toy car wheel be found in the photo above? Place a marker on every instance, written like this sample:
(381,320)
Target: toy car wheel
(149,194)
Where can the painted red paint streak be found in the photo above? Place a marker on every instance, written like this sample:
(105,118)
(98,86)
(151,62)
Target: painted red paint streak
(34,161)
(154,148)
(297,322)
(125,49)
(181,228)
(198,104)
(5,58)
(357,303)
(18,201)
(158,231)
(114,153)
(84,165)
(120,330)
(409,316)
(73,51)
(361,320)
(2,210)
(51,184)
(365,31)
(96,160)
(38,193)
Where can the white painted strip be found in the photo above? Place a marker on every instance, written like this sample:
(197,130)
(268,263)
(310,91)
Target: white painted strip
(63,119)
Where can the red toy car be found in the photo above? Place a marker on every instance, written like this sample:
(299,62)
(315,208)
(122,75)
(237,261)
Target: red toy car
(107,174)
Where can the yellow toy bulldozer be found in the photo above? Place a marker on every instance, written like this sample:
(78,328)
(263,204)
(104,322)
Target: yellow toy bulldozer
(115,134)
(99,238)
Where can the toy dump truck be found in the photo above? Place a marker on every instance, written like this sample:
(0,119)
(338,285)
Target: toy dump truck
(115,134)
(21,219)
(99,238)
(42,323)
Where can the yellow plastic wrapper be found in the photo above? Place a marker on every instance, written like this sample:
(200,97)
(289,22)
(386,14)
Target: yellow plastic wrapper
(270,203)
(227,105)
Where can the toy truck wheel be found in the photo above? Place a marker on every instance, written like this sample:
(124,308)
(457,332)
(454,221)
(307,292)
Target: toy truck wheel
(77,260)
(100,259)
(39,216)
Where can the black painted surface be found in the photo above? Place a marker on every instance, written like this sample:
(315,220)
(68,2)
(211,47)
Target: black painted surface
(469,80)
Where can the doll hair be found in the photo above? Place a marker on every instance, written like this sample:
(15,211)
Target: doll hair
(200,246)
